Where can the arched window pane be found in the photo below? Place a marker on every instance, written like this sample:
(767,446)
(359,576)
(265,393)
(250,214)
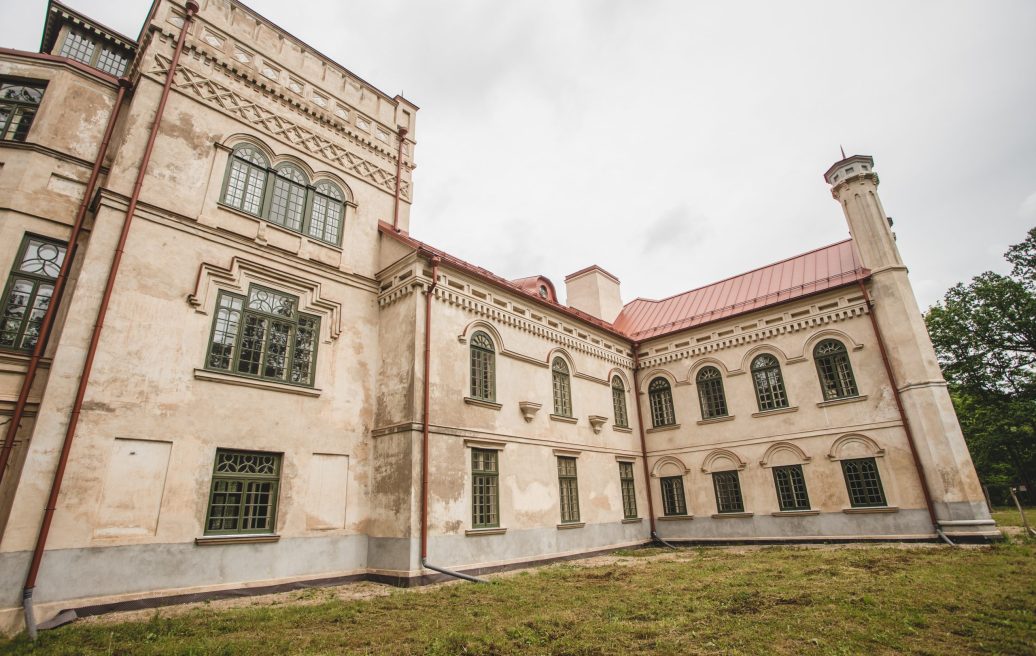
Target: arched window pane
(660,396)
(710,393)
(619,402)
(246,182)
(325,220)
(562,388)
(834,369)
(288,201)
(483,367)
(769,383)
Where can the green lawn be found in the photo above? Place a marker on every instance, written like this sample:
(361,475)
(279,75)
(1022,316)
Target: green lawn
(866,600)
(1009,516)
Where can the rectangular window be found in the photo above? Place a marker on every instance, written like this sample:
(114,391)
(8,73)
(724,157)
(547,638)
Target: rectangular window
(568,486)
(863,482)
(673,501)
(629,491)
(485,494)
(78,47)
(19,101)
(728,492)
(110,61)
(264,335)
(791,488)
(243,498)
(29,288)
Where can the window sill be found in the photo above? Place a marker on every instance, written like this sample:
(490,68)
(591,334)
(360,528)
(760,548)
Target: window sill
(866,511)
(662,429)
(716,420)
(567,525)
(472,532)
(231,379)
(776,411)
(737,515)
(209,540)
(482,404)
(674,518)
(622,429)
(563,419)
(794,513)
(848,399)
(632,520)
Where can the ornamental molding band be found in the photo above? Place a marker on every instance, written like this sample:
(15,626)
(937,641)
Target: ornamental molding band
(769,332)
(277,126)
(242,272)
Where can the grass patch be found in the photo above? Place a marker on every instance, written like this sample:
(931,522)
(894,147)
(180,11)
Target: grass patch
(873,600)
(1009,516)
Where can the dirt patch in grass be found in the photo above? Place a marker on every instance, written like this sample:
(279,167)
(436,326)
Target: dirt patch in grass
(788,600)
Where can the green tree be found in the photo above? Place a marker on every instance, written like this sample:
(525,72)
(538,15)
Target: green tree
(985,336)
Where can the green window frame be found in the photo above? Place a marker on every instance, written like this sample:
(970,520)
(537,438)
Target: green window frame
(728,492)
(674,503)
(660,397)
(710,393)
(482,359)
(834,370)
(282,194)
(485,488)
(562,387)
(263,335)
(28,292)
(619,403)
(19,102)
(629,490)
(243,494)
(791,488)
(84,49)
(568,488)
(863,482)
(769,383)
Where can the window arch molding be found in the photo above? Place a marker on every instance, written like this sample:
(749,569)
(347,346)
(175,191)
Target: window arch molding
(669,466)
(784,453)
(765,349)
(645,381)
(559,352)
(829,333)
(854,445)
(692,372)
(486,327)
(722,460)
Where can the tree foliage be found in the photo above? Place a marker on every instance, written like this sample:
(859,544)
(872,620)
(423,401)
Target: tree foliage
(984,333)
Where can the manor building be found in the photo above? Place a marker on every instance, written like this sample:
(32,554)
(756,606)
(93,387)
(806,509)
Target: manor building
(226,362)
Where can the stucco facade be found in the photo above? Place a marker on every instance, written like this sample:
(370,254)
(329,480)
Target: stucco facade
(273,172)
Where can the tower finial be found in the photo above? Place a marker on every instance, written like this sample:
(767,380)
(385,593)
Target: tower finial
(842,148)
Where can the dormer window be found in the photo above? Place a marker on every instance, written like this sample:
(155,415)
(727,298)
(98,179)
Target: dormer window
(543,291)
(83,49)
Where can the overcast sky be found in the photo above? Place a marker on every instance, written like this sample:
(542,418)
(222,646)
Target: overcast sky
(676,143)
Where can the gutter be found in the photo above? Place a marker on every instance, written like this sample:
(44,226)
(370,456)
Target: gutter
(95,338)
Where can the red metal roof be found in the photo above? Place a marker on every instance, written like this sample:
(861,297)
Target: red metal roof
(802,275)
(816,271)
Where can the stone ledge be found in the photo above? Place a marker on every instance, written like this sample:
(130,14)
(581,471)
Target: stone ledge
(848,399)
(471,532)
(776,411)
(716,420)
(875,509)
(563,419)
(244,381)
(632,520)
(660,429)
(737,515)
(235,539)
(567,525)
(622,429)
(794,513)
(674,518)
(482,403)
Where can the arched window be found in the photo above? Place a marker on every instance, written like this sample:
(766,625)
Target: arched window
(246,181)
(619,402)
(835,371)
(562,388)
(325,219)
(483,367)
(769,384)
(660,396)
(288,201)
(710,393)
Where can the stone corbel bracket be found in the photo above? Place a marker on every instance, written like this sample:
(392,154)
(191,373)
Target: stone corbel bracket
(242,272)
(597,421)
(529,409)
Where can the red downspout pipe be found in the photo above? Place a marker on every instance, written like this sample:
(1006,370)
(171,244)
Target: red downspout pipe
(399,181)
(899,404)
(59,284)
(102,311)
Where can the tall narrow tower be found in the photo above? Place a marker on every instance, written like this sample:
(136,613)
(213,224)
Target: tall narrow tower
(959,504)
